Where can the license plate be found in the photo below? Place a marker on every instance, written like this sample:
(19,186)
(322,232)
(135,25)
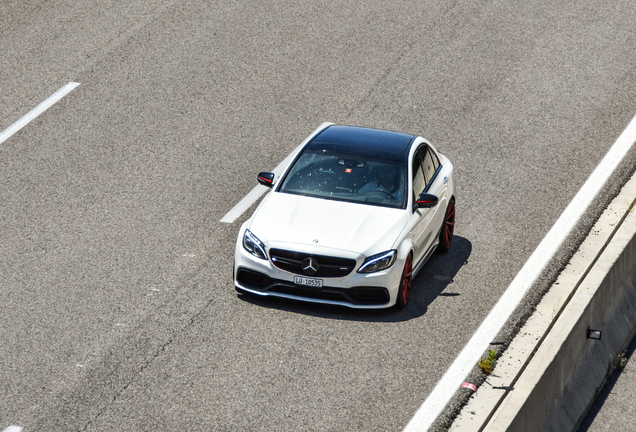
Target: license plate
(315,283)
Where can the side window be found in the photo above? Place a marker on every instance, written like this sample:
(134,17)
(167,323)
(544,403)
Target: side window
(419,182)
(429,166)
(435,159)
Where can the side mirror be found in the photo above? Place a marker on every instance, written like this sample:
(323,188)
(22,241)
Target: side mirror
(266,178)
(426,200)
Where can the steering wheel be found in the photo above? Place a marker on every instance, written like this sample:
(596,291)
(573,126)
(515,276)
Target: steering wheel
(384,191)
(325,177)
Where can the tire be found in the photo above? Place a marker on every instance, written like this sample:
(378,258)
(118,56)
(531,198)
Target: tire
(405,283)
(448,227)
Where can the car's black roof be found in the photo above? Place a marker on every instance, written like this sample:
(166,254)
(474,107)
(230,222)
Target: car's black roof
(375,143)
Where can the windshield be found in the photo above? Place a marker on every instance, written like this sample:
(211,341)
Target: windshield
(344,177)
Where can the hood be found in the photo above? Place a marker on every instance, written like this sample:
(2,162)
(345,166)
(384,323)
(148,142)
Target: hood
(292,219)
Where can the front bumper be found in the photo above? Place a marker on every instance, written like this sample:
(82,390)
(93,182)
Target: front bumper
(357,297)
(356,290)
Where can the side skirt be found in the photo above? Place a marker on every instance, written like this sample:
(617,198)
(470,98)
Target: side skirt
(425,258)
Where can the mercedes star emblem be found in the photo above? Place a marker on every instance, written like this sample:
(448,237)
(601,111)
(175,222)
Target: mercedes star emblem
(310,266)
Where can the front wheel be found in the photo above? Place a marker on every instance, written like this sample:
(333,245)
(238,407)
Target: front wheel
(448,227)
(405,283)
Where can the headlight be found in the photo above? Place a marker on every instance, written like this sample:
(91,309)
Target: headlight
(253,245)
(378,262)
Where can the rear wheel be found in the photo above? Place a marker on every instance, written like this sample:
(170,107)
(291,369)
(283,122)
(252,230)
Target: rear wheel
(448,227)
(405,283)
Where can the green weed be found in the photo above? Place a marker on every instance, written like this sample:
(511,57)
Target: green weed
(487,364)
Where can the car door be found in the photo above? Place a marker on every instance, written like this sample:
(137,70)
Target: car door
(422,216)
(437,185)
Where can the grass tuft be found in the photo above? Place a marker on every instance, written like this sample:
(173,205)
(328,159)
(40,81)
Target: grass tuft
(487,364)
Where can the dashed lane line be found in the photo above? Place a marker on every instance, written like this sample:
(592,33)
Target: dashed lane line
(259,190)
(27,118)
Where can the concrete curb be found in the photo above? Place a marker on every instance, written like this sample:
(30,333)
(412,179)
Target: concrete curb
(551,372)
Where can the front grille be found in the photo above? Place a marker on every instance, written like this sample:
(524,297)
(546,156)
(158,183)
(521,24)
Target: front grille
(328,266)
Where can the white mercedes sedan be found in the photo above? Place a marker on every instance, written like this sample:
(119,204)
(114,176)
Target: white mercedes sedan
(350,221)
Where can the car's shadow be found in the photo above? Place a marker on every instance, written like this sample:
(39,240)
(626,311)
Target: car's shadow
(431,282)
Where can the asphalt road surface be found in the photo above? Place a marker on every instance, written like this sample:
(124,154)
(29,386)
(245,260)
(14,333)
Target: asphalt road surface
(117,309)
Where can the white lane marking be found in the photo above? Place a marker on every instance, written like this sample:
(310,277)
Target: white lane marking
(13,429)
(259,189)
(244,204)
(27,118)
(492,324)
